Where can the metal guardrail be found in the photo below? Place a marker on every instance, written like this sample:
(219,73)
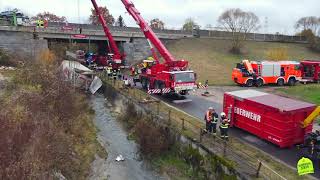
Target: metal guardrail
(192,127)
(97,30)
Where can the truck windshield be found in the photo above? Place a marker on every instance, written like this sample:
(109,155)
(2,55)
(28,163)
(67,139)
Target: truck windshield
(185,77)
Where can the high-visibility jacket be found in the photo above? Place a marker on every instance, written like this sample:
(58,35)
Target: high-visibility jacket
(224,125)
(208,116)
(215,118)
(108,70)
(114,73)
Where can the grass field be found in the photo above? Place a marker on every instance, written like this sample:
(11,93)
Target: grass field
(210,58)
(310,93)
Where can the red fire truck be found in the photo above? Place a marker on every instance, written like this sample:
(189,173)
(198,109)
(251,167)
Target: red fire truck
(259,73)
(310,70)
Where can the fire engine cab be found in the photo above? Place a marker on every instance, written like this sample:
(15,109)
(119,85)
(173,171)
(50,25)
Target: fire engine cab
(259,73)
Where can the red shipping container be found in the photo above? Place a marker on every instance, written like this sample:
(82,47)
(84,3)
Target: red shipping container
(274,118)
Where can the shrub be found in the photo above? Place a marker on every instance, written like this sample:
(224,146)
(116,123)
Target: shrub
(151,138)
(45,127)
(7,60)
(277,54)
(313,41)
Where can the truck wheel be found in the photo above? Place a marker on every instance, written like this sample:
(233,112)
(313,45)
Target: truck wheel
(259,83)
(292,81)
(144,83)
(249,83)
(157,85)
(147,83)
(280,82)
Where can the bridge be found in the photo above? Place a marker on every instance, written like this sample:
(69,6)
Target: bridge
(119,33)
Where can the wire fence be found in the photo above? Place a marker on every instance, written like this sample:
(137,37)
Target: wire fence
(246,163)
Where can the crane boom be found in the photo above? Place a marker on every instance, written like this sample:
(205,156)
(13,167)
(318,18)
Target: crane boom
(117,54)
(149,34)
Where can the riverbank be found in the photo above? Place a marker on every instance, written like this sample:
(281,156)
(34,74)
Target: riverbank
(48,126)
(114,138)
(163,144)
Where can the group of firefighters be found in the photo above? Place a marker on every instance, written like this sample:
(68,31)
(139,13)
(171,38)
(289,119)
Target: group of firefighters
(211,118)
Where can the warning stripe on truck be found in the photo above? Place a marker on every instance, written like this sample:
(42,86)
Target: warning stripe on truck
(200,86)
(158,91)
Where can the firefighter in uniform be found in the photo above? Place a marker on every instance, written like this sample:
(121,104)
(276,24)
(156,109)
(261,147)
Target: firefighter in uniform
(214,122)
(114,74)
(224,126)
(208,118)
(109,69)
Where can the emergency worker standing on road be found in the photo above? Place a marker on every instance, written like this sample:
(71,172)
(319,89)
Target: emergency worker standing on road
(208,118)
(224,126)
(214,122)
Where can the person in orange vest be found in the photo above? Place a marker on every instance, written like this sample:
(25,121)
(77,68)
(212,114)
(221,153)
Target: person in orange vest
(208,118)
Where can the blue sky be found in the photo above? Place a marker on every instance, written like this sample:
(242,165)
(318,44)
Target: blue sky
(280,14)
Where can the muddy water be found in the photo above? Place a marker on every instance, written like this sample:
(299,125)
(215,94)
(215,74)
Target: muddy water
(114,139)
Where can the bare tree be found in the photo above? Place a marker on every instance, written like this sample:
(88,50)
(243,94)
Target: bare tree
(310,22)
(105,14)
(50,17)
(240,23)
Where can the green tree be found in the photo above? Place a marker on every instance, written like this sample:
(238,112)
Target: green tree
(313,40)
(120,22)
(189,25)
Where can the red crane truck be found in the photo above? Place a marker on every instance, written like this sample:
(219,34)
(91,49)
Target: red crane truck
(172,74)
(116,59)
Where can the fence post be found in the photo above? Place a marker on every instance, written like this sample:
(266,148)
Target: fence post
(182,128)
(134,93)
(169,117)
(224,148)
(258,170)
(158,108)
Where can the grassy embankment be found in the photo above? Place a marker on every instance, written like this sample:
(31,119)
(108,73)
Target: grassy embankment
(48,126)
(310,92)
(211,59)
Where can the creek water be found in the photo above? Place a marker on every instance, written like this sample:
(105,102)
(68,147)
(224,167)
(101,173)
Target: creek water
(114,139)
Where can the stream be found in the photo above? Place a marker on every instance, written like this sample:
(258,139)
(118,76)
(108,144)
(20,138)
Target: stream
(114,139)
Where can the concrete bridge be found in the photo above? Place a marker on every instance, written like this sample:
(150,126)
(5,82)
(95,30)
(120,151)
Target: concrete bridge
(28,41)
(119,33)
